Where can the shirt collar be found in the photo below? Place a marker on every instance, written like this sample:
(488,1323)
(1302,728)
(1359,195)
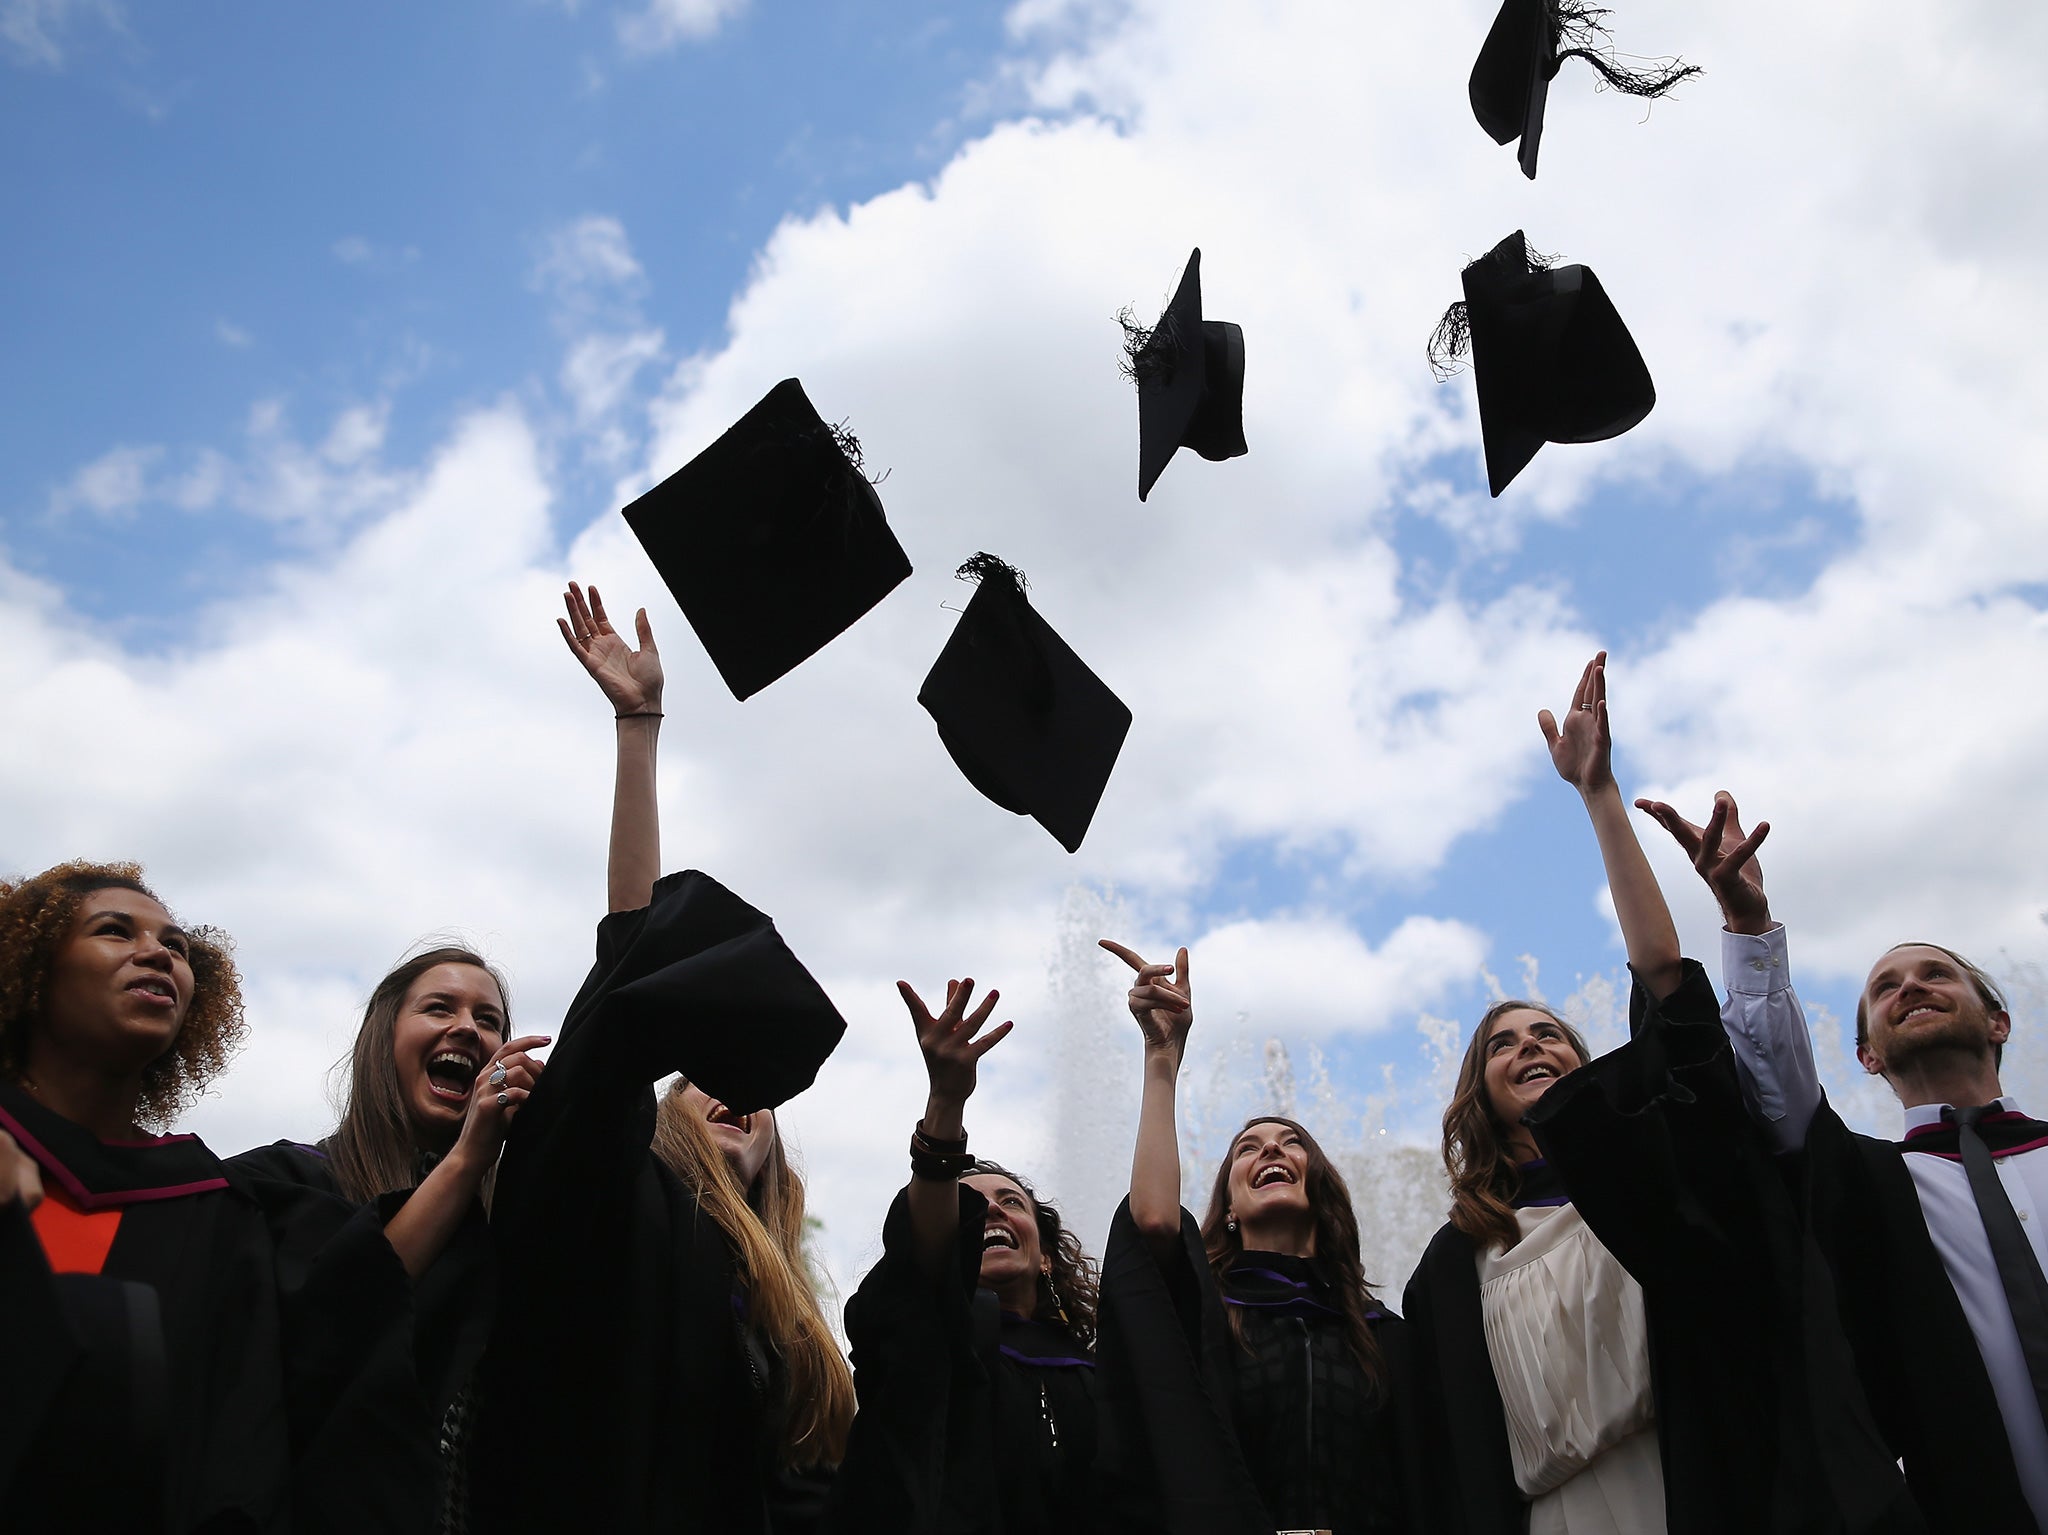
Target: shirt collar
(1930,1113)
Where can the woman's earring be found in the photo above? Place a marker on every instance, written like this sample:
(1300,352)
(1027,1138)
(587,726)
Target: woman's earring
(1230,1224)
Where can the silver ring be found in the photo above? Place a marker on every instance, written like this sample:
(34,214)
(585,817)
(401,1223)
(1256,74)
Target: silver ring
(502,1100)
(1588,708)
(497,1076)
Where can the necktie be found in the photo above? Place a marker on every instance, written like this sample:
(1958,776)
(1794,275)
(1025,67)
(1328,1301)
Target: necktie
(2026,1289)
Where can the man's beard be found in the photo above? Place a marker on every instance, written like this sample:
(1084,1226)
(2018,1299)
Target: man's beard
(1960,1033)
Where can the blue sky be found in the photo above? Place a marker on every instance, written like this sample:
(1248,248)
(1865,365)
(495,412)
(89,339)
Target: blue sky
(337,336)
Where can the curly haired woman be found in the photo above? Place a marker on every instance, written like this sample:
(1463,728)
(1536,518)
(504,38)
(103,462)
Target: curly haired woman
(974,1338)
(163,1370)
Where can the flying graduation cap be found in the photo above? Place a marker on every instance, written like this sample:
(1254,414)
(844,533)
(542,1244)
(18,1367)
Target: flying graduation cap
(1025,719)
(1550,357)
(771,540)
(1190,377)
(1528,44)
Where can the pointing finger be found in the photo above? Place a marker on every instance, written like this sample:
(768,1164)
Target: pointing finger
(1128,956)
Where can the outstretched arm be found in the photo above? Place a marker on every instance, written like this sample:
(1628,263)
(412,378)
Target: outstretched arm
(1162,1000)
(1583,753)
(631,680)
(951,1055)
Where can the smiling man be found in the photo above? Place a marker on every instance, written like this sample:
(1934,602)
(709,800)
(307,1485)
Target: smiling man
(1935,1242)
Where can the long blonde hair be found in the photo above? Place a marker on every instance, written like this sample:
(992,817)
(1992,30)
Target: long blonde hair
(1484,1181)
(764,1227)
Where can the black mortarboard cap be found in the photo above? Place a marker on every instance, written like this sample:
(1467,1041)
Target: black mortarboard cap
(1526,46)
(1190,377)
(1551,359)
(700,982)
(1025,719)
(771,540)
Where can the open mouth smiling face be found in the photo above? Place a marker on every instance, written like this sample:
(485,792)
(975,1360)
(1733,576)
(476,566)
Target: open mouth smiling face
(1009,1232)
(1526,1052)
(1268,1170)
(745,1139)
(1918,998)
(448,1026)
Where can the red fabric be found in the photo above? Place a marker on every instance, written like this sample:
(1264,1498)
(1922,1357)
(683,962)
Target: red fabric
(75,1241)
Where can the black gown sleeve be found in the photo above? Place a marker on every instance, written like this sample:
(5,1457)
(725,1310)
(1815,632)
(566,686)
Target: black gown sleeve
(1165,1350)
(1465,1469)
(1762,1422)
(923,1435)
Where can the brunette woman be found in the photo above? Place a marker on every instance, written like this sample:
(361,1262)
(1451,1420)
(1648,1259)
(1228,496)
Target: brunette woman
(162,1367)
(1608,1331)
(1268,1372)
(974,1338)
(649,1316)
(434,1083)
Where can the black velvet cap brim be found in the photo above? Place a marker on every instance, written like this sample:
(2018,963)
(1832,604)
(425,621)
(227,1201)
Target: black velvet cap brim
(1510,79)
(770,540)
(1165,408)
(1023,717)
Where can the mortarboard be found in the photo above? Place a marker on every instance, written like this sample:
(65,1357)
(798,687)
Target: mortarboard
(771,540)
(1025,719)
(1551,360)
(1190,377)
(1526,46)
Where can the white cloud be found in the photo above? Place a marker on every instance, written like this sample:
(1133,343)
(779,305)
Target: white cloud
(229,334)
(665,23)
(601,369)
(1309,976)
(353,250)
(587,256)
(32,31)
(113,484)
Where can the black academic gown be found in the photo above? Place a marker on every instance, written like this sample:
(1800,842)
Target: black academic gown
(1761,1421)
(1915,1353)
(392,1439)
(174,1390)
(973,1421)
(621,1390)
(1277,1430)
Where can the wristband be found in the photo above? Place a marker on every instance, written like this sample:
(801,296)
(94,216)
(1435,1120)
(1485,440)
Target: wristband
(938,1161)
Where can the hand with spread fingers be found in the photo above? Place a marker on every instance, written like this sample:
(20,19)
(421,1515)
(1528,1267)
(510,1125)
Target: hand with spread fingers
(1161,999)
(1725,857)
(631,678)
(1581,749)
(20,1178)
(952,1051)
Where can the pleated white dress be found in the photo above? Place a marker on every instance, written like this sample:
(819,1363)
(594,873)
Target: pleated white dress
(1570,1350)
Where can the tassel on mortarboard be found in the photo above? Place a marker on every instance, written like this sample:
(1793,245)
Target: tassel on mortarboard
(1527,45)
(1551,360)
(1190,377)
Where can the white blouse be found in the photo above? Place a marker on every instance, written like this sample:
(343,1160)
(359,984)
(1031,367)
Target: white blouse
(1570,1351)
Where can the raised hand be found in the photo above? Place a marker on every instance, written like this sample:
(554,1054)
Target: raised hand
(1161,999)
(1581,750)
(631,678)
(1725,857)
(947,1038)
(20,1178)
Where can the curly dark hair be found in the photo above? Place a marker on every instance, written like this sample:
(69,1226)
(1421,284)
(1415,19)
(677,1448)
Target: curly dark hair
(1070,1295)
(36,914)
